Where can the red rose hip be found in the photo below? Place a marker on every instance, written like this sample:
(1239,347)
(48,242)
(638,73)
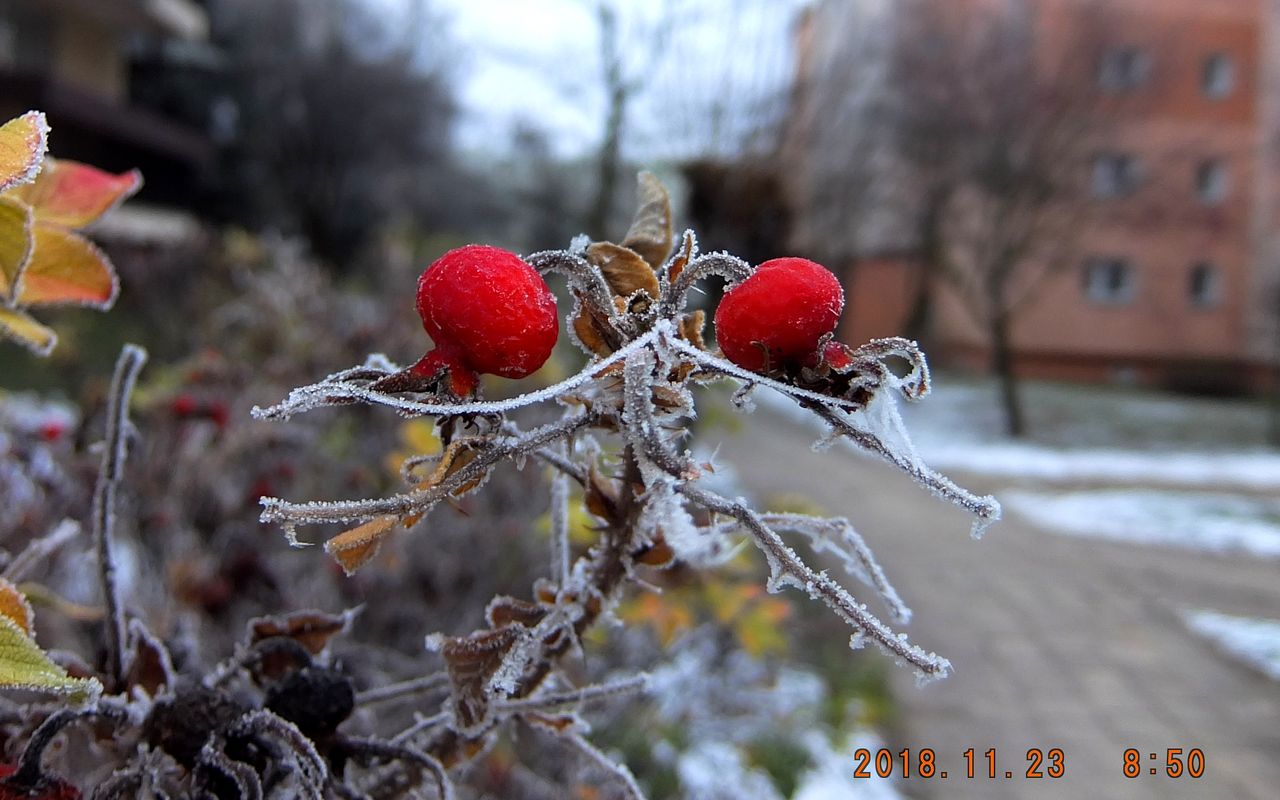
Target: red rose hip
(488,312)
(782,310)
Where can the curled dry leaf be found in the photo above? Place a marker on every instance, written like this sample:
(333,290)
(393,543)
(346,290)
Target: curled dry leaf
(624,270)
(356,547)
(311,629)
(472,660)
(650,231)
(688,244)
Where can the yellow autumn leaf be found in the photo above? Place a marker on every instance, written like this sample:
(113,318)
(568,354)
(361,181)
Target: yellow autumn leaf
(23,142)
(26,331)
(65,268)
(418,437)
(72,194)
(23,665)
(356,547)
(15,243)
(667,615)
(727,600)
(760,630)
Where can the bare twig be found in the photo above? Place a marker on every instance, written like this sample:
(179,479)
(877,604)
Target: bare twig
(395,691)
(620,772)
(786,568)
(110,474)
(40,551)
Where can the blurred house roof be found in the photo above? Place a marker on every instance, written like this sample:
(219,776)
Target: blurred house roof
(183,19)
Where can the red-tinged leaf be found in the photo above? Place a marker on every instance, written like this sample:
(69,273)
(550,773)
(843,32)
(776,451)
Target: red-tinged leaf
(15,243)
(66,269)
(14,605)
(356,547)
(23,142)
(26,331)
(73,195)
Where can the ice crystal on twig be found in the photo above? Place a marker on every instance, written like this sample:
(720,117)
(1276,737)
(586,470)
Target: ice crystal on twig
(647,500)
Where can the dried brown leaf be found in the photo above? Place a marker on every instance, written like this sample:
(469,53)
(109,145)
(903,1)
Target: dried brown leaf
(625,270)
(311,629)
(601,497)
(505,610)
(650,233)
(356,547)
(682,258)
(471,661)
(594,331)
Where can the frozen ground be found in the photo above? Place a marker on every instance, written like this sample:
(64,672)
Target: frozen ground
(1078,436)
(1206,521)
(1256,642)
(1097,434)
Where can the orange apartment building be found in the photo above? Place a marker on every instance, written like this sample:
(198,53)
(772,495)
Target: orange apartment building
(1177,277)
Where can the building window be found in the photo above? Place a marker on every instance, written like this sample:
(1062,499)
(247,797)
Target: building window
(1211,182)
(1204,285)
(1219,76)
(1109,281)
(1115,175)
(1123,68)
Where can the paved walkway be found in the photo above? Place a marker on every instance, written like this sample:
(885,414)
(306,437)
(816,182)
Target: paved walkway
(1055,641)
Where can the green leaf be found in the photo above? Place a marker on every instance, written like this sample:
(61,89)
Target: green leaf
(23,665)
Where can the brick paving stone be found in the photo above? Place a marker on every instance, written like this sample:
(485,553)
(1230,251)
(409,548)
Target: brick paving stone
(1056,640)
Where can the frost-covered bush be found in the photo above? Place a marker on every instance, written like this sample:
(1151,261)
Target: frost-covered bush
(149,680)
(619,437)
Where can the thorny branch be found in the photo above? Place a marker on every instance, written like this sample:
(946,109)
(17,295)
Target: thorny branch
(644,352)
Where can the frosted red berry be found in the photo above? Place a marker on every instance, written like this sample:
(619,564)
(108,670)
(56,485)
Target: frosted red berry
(776,318)
(488,312)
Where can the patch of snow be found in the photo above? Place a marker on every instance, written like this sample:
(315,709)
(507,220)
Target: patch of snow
(716,771)
(1253,641)
(831,776)
(1202,521)
(1248,470)
(948,441)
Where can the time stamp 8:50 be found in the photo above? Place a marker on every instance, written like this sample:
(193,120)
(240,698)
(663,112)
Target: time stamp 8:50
(1038,763)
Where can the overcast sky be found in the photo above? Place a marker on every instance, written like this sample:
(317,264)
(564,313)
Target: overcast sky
(539,61)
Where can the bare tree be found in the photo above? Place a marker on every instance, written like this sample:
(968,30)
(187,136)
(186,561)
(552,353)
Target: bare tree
(997,123)
(342,116)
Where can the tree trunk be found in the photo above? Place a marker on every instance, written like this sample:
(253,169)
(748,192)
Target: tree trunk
(1002,367)
(932,264)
